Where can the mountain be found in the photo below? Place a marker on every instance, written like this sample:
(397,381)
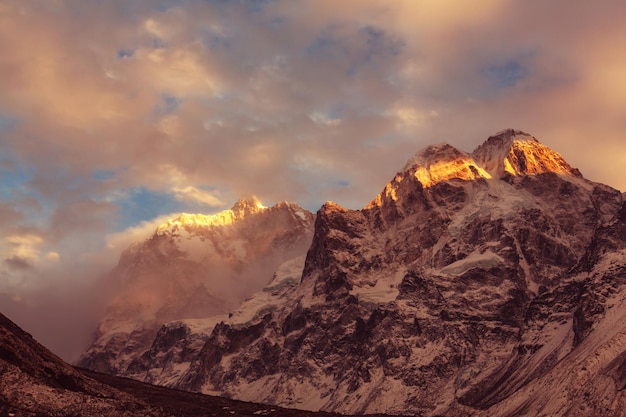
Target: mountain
(35,382)
(193,268)
(489,283)
(468,286)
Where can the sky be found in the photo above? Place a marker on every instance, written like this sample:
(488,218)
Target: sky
(114,115)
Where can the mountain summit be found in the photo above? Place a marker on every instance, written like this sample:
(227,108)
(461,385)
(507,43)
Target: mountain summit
(513,152)
(510,152)
(246,206)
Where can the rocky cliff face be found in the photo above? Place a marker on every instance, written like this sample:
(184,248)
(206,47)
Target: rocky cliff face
(576,334)
(35,382)
(192,269)
(466,284)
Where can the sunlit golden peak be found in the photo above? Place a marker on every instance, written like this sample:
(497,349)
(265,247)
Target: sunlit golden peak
(513,152)
(247,205)
(331,206)
(191,221)
(239,210)
(443,162)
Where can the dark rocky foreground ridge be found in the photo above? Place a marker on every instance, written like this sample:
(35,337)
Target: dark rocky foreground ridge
(482,284)
(36,383)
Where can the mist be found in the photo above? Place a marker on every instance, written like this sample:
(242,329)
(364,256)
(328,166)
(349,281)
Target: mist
(62,319)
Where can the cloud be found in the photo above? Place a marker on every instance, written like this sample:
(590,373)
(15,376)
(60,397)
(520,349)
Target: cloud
(62,318)
(25,247)
(85,216)
(53,256)
(9,214)
(324,119)
(116,114)
(196,195)
(183,69)
(410,117)
(17,263)
(121,240)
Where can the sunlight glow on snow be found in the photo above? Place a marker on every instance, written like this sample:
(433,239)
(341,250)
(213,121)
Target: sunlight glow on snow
(223,218)
(464,169)
(538,159)
(517,153)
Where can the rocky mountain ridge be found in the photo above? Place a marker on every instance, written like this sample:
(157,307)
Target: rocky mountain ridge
(489,283)
(35,382)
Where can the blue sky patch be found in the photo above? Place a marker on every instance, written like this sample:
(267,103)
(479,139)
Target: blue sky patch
(7,122)
(13,178)
(125,53)
(158,43)
(508,74)
(142,204)
(379,43)
(168,104)
(252,6)
(367,47)
(103,174)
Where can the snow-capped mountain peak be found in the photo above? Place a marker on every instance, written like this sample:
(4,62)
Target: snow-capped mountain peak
(509,152)
(241,209)
(513,152)
(193,220)
(247,206)
(331,206)
(195,266)
(442,162)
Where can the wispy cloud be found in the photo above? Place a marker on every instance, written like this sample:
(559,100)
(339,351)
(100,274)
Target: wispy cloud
(17,263)
(196,195)
(119,241)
